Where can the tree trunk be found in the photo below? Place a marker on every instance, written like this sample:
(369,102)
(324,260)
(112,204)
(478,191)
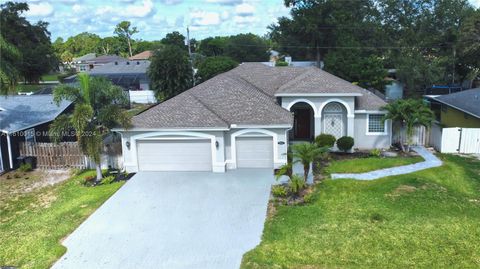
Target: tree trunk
(129,47)
(99,172)
(306,170)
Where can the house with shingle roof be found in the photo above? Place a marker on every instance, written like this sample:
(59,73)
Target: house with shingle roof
(247,117)
(460,109)
(25,118)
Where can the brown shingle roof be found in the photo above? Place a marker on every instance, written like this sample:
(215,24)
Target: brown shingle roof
(246,96)
(145,55)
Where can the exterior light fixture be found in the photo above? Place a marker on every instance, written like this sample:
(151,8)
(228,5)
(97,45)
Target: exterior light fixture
(216,144)
(128,144)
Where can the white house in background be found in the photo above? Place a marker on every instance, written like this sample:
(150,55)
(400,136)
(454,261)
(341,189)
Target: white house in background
(246,118)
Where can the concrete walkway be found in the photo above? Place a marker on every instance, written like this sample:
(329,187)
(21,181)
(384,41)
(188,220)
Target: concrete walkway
(430,161)
(174,220)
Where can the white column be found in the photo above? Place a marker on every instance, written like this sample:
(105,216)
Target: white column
(10,156)
(350,125)
(318,125)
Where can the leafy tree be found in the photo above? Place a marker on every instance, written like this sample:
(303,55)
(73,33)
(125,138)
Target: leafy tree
(31,40)
(213,46)
(9,55)
(246,48)
(143,45)
(468,62)
(306,154)
(83,43)
(113,45)
(125,31)
(170,72)
(409,113)
(97,109)
(213,66)
(174,39)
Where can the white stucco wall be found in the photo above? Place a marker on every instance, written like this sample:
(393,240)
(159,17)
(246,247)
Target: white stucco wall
(370,141)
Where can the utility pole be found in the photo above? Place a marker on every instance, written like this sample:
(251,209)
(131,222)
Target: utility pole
(190,55)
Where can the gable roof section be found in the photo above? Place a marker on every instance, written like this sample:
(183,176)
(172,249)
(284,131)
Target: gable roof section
(21,112)
(126,67)
(103,59)
(145,55)
(467,101)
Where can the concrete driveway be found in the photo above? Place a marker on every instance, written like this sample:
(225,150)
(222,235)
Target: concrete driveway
(174,220)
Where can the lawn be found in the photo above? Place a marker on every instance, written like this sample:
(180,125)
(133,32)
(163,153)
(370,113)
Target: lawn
(362,165)
(428,219)
(33,222)
(49,77)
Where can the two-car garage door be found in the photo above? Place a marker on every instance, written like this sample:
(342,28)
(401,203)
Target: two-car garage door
(196,154)
(174,155)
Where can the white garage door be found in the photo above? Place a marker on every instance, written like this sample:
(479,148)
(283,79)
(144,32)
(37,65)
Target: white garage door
(254,152)
(174,155)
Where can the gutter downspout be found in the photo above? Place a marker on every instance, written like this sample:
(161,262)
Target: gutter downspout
(9,145)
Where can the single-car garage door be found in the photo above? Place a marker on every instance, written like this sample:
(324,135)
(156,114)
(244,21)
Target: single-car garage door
(254,152)
(174,155)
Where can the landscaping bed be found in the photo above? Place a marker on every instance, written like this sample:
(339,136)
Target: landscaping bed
(427,219)
(36,216)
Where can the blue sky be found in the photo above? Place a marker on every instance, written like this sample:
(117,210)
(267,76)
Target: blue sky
(155,18)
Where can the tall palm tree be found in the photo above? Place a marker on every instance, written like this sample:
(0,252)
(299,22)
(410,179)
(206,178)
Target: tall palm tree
(97,109)
(306,154)
(409,113)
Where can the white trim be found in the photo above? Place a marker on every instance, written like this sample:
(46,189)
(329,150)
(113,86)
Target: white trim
(151,135)
(303,100)
(10,156)
(280,126)
(317,94)
(385,127)
(370,112)
(233,144)
(168,129)
(345,104)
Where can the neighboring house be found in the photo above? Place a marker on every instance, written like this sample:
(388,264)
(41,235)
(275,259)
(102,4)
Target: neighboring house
(460,109)
(146,55)
(103,60)
(25,119)
(81,64)
(247,117)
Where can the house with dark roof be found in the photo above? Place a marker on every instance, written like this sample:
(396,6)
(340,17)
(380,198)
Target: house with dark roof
(247,117)
(460,109)
(80,63)
(25,118)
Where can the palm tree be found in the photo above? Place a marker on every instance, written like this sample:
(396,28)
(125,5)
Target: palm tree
(409,113)
(307,153)
(97,109)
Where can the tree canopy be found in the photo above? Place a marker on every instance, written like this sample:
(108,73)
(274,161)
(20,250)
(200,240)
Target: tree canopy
(124,31)
(213,66)
(170,72)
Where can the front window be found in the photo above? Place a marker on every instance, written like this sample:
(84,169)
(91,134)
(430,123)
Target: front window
(375,123)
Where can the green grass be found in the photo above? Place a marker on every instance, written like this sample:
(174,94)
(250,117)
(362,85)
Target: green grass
(49,77)
(369,164)
(29,87)
(32,224)
(428,219)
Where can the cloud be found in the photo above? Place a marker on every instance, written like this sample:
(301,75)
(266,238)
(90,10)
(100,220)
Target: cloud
(130,11)
(171,2)
(204,18)
(475,3)
(40,10)
(244,10)
(225,2)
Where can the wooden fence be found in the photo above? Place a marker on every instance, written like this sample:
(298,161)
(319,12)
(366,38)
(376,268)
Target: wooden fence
(55,156)
(420,136)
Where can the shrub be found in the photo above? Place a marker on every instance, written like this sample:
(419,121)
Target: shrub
(89,180)
(279,191)
(284,170)
(375,152)
(296,184)
(345,143)
(108,179)
(325,140)
(308,198)
(281,63)
(25,167)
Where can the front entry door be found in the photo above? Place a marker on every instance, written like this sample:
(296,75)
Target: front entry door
(333,124)
(302,124)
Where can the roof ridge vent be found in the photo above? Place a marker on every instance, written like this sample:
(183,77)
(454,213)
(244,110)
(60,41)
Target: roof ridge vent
(128,63)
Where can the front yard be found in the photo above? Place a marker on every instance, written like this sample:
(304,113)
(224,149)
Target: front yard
(428,219)
(34,216)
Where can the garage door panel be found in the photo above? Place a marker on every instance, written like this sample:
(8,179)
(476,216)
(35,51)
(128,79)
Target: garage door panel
(174,155)
(254,152)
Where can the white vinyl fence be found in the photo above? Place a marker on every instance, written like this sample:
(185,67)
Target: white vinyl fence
(455,140)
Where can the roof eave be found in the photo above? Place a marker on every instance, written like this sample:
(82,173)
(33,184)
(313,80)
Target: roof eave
(318,94)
